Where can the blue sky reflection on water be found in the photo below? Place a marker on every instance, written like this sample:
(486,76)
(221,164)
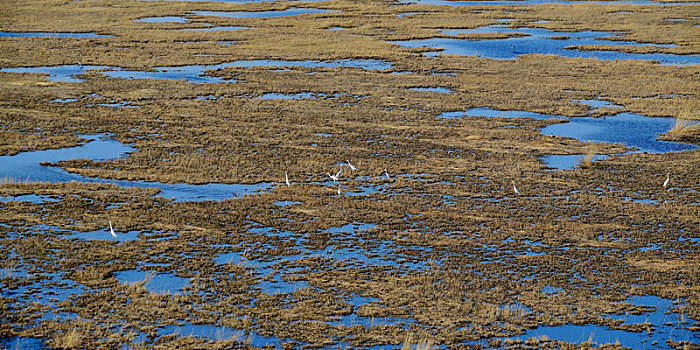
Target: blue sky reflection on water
(540,41)
(27,166)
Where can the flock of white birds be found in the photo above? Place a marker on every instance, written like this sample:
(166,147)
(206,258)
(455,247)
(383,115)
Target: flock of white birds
(335,177)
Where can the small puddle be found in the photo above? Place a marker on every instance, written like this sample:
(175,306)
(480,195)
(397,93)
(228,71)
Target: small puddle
(494,113)
(125,104)
(367,322)
(438,89)
(159,283)
(105,235)
(4,34)
(297,96)
(32,198)
(541,41)
(166,19)
(63,100)
(594,104)
(264,14)
(286,203)
(559,162)
(204,331)
(27,166)
(551,290)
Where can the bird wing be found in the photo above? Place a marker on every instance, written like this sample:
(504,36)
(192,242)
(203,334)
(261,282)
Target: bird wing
(111,230)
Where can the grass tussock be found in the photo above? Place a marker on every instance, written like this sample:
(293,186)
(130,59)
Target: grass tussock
(70,340)
(684,130)
(425,344)
(586,160)
(683,126)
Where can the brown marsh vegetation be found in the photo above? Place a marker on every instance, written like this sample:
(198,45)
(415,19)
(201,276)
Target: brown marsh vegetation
(452,257)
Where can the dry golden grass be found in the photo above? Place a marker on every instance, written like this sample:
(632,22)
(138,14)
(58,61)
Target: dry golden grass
(683,126)
(458,222)
(586,160)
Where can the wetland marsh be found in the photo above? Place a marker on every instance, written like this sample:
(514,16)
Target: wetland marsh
(205,132)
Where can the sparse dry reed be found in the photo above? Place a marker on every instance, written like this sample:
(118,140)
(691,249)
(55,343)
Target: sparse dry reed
(684,126)
(586,161)
(70,340)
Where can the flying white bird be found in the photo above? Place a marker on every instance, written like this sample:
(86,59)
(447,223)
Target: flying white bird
(111,230)
(515,188)
(286,178)
(352,167)
(387,174)
(668,180)
(336,176)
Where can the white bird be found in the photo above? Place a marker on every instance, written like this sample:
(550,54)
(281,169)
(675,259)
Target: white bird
(339,190)
(352,167)
(668,180)
(286,178)
(387,174)
(515,188)
(111,230)
(336,176)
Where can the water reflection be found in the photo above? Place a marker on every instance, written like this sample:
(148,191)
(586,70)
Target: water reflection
(541,41)
(195,74)
(27,166)
(4,34)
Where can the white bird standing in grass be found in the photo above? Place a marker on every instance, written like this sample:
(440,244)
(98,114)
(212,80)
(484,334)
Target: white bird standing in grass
(352,167)
(111,230)
(336,176)
(387,174)
(286,179)
(668,180)
(515,188)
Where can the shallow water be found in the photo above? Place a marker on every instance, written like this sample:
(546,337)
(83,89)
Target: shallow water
(22,343)
(105,235)
(297,96)
(205,331)
(32,198)
(57,73)
(166,19)
(4,34)
(666,325)
(540,41)
(27,166)
(193,73)
(438,89)
(593,104)
(562,162)
(630,129)
(493,113)
(160,283)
